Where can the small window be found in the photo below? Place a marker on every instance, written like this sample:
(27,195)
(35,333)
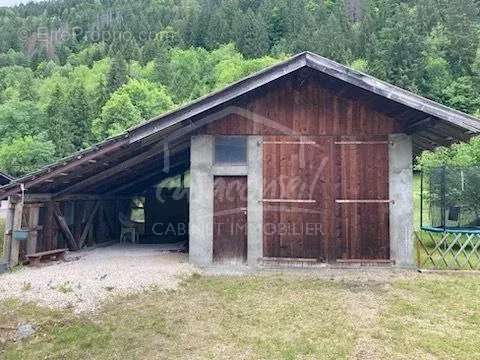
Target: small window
(137,210)
(231,150)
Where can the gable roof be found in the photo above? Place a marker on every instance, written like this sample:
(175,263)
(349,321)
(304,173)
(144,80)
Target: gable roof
(323,65)
(450,125)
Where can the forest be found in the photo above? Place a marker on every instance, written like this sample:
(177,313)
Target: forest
(74,72)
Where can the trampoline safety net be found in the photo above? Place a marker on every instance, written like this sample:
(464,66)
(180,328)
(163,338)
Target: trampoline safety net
(451,195)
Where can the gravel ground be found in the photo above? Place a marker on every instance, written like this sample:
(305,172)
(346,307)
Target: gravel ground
(90,277)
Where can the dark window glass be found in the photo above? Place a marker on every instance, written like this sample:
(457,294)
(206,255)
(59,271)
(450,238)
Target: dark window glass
(231,150)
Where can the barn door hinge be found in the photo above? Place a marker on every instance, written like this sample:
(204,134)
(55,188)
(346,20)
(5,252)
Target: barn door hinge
(299,201)
(364,201)
(363,143)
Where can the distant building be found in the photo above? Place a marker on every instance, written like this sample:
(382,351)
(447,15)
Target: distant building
(5,179)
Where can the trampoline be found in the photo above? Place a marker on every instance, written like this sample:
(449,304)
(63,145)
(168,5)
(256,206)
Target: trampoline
(450,200)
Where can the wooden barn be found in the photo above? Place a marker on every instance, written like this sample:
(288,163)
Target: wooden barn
(306,161)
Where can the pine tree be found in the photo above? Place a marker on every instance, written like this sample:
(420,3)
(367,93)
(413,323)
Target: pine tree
(77,116)
(463,34)
(252,35)
(58,128)
(117,76)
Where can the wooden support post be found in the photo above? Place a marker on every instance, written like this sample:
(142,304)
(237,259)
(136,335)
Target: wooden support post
(8,232)
(34,212)
(88,225)
(17,225)
(50,227)
(72,244)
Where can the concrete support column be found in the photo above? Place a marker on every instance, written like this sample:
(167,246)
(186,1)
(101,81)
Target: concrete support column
(201,200)
(255,197)
(401,192)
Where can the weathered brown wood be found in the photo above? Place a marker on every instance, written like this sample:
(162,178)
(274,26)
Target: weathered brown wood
(35,258)
(46,253)
(299,178)
(72,244)
(69,165)
(230,219)
(7,240)
(17,225)
(363,218)
(50,231)
(34,212)
(304,108)
(154,151)
(88,225)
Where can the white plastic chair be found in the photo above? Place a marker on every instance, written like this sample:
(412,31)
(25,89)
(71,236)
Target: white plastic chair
(128,229)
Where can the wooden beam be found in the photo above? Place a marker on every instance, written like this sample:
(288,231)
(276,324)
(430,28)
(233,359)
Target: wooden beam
(420,125)
(144,178)
(71,164)
(33,216)
(155,151)
(17,225)
(7,240)
(86,197)
(72,244)
(88,225)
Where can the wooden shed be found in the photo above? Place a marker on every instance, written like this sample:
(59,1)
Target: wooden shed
(306,161)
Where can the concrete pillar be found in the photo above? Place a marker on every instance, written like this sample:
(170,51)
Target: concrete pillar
(255,197)
(201,200)
(401,192)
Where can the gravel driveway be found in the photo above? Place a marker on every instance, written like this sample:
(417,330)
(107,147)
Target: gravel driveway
(90,277)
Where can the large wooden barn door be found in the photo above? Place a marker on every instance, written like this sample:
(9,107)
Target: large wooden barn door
(362,204)
(230,219)
(298,194)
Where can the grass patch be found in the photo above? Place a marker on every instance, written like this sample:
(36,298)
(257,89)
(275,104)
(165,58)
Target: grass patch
(264,317)
(253,317)
(433,318)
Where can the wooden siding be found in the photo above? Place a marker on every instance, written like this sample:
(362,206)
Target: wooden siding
(298,197)
(296,106)
(230,219)
(362,229)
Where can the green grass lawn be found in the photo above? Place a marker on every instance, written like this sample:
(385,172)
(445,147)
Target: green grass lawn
(264,317)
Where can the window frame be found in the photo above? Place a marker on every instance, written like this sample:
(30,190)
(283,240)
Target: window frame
(220,164)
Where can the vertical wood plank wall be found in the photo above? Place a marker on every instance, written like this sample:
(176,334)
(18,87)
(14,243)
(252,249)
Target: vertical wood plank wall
(299,108)
(299,196)
(362,230)
(230,219)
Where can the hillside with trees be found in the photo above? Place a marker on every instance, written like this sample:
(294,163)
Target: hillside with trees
(73,72)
